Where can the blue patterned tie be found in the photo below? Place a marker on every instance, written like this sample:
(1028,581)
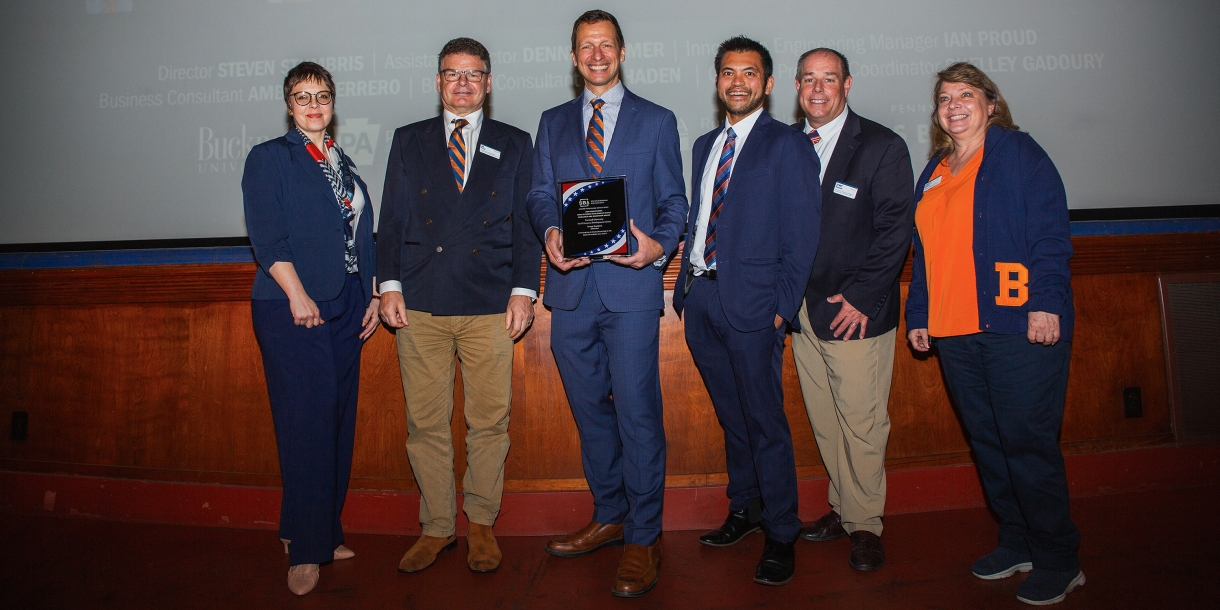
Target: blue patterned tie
(457,153)
(719,188)
(595,140)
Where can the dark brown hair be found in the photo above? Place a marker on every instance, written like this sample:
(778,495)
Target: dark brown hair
(596,16)
(741,44)
(967,74)
(464,46)
(308,71)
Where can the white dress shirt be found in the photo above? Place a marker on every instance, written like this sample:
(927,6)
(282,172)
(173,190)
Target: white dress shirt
(470,135)
(613,104)
(830,137)
(708,182)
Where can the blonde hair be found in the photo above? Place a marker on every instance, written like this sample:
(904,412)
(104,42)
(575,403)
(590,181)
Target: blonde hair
(967,74)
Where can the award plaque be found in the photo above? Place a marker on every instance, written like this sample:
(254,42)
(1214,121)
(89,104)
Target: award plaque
(594,217)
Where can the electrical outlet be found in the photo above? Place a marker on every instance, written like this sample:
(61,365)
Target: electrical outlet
(1133,403)
(21,426)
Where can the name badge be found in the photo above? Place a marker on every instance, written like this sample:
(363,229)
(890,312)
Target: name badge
(931,183)
(489,151)
(846,190)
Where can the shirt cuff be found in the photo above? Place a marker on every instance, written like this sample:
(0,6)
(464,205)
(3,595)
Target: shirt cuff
(547,232)
(524,292)
(391,286)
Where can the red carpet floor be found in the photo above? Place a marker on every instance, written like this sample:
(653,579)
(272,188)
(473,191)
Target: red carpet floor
(1140,550)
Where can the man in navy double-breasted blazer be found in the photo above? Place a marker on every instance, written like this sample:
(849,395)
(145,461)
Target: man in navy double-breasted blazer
(751,239)
(459,266)
(605,316)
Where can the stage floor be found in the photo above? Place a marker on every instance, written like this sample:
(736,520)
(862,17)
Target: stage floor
(1139,550)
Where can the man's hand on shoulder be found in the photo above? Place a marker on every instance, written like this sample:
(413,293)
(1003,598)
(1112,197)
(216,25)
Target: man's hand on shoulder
(647,251)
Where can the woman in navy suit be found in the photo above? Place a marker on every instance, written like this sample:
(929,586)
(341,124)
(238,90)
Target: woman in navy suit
(313,306)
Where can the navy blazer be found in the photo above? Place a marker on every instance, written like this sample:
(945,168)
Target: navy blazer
(1020,216)
(867,237)
(457,253)
(292,215)
(767,232)
(646,149)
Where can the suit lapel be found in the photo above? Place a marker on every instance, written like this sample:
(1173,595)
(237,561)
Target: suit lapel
(317,179)
(628,112)
(574,131)
(484,167)
(845,148)
(698,165)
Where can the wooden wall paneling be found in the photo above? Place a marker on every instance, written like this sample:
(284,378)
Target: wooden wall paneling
(1117,344)
(127,373)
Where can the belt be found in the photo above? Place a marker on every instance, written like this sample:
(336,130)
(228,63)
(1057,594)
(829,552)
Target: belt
(708,274)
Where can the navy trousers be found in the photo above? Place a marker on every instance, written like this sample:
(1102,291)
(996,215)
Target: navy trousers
(742,372)
(1010,394)
(608,363)
(312,381)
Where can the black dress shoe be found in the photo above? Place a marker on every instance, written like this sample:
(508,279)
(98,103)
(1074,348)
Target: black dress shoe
(738,525)
(867,554)
(777,564)
(828,527)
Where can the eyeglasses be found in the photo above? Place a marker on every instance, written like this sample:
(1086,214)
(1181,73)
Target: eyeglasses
(303,98)
(473,76)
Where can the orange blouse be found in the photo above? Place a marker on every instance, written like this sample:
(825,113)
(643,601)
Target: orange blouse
(945,221)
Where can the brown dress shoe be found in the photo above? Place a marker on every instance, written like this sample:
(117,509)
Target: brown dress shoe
(483,554)
(637,570)
(867,554)
(590,538)
(424,553)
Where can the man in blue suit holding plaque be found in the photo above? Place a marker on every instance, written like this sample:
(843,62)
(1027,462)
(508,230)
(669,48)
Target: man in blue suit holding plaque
(605,319)
(749,250)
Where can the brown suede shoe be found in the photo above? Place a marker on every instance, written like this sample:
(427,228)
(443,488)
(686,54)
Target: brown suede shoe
(590,538)
(483,554)
(424,553)
(637,570)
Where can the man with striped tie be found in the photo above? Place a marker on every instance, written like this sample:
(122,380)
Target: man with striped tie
(605,316)
(458,277)
(751,240)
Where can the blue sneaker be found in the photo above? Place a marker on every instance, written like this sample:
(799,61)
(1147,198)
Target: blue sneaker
(1044,587)
(1001,563)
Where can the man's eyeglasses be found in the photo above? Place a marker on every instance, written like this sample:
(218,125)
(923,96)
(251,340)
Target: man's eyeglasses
(303,98)
(473,76)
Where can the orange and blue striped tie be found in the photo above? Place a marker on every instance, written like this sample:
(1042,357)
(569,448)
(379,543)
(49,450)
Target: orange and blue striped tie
(719,187)
(457,153)
(595,141)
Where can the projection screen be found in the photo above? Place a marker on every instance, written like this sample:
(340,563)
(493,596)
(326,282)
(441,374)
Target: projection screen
(130,119)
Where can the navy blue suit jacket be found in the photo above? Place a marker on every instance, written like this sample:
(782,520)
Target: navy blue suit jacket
(457,253)
(867,237)
(292,216)
(768,228)
(646,149)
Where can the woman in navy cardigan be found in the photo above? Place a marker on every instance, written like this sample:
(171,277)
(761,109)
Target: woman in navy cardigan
(990,289)
(313,306)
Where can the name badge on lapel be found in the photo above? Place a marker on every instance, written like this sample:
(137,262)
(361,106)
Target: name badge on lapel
(931,183)
(489,151)
(846,190)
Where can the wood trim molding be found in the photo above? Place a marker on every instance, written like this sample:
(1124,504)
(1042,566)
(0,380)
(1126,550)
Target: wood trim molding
(1095,255)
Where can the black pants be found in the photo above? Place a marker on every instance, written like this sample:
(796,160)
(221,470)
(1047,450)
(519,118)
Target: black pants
(312,381)
(1010,394)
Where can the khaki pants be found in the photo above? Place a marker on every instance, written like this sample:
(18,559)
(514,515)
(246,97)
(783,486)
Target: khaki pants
(846,387)
(425,358)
